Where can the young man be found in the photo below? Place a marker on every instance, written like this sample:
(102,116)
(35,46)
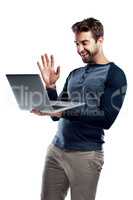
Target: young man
(75,157)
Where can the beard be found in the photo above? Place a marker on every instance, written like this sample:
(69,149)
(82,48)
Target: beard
(88,55)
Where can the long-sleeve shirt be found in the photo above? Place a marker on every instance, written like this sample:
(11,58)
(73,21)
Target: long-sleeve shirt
(102,88)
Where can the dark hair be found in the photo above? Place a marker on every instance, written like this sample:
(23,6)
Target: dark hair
(89,24)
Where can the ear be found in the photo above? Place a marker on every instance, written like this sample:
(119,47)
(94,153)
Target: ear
(100,40)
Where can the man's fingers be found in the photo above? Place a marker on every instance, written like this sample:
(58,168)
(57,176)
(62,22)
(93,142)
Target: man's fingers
(43,61)
(58,114)
(37,112)
(52,61)
(58,70)
(47,59)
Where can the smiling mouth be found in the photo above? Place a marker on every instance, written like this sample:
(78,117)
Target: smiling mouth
(84,55)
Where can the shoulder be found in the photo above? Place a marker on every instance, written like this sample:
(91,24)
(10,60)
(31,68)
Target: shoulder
(76,71)
(116,75)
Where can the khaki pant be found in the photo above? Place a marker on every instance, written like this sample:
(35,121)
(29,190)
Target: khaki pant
(78,170)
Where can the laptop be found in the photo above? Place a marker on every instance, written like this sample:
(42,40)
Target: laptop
(30,93)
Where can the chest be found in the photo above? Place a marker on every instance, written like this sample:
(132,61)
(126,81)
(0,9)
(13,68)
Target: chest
(88,80)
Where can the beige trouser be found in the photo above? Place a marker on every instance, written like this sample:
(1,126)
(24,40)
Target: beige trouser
(78,170)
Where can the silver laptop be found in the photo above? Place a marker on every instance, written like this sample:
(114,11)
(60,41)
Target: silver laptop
(30,93)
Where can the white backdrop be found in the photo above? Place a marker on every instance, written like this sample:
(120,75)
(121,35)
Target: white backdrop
(29,29)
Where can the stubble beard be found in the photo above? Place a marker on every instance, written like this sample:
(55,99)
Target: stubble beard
(89,57)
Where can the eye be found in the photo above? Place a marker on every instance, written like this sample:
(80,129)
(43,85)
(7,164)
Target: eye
(77,44)
(85,43)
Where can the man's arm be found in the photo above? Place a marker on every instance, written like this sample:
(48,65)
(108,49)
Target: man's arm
(52,94)
(110,101)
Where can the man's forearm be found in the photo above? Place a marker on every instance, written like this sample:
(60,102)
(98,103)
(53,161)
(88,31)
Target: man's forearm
(52,93)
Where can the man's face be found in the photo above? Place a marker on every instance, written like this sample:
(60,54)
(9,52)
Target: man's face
(87,47)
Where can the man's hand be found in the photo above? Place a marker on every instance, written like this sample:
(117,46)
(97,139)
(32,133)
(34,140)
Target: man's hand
(46,67)
(37,112)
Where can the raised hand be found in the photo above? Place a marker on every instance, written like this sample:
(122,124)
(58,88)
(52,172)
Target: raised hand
(49,74)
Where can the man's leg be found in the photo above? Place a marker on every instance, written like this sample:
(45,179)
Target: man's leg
(54,182)
(83,172)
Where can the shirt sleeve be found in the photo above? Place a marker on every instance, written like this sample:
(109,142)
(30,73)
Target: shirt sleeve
(110,101)
(52,94)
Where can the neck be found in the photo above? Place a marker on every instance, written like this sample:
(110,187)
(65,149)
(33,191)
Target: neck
(100,58)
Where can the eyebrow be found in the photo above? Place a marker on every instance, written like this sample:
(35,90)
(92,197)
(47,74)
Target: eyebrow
(82,41)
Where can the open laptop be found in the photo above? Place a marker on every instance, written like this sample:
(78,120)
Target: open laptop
(30,93)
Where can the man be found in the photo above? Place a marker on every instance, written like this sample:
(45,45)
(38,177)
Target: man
(75,157)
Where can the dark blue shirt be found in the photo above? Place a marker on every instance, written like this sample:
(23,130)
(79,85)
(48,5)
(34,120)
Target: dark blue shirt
(102,88)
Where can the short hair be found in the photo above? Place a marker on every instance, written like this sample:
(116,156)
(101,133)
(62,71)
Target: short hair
(89,24)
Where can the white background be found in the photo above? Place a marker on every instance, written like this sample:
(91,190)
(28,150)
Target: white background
(29,29)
